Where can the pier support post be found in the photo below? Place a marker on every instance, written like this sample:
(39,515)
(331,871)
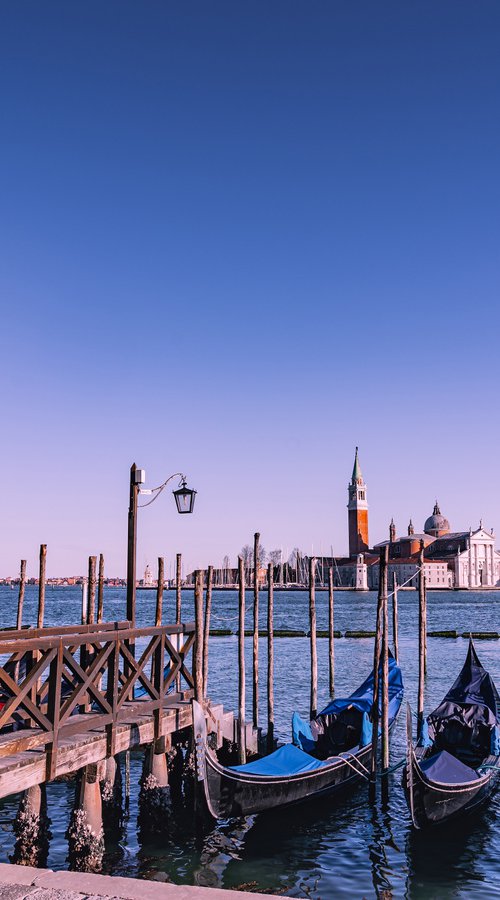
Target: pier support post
(154,797)
(111,795)
(85,833)
(31,828)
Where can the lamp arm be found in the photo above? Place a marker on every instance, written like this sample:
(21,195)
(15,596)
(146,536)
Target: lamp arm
(157,490)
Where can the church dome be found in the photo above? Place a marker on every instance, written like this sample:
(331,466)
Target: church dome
(436,525)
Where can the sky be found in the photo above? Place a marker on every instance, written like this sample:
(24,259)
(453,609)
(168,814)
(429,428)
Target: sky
(237,240)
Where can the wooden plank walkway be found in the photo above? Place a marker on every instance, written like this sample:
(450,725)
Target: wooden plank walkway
(71,697)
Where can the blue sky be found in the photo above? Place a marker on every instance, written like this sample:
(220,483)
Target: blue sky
(238,240)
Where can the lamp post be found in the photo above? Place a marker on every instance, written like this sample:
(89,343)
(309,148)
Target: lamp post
(184,499)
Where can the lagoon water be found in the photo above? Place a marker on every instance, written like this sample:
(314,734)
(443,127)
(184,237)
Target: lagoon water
(344,848)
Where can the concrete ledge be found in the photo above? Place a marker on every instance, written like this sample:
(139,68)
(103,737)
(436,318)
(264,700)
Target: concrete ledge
(77,885)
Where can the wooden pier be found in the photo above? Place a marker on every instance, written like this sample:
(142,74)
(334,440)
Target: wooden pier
(72,698)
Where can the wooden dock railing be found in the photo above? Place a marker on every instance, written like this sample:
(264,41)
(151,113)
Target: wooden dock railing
(55,682)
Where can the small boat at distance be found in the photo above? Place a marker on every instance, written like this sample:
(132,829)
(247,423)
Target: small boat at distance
(330,753)
(455,766)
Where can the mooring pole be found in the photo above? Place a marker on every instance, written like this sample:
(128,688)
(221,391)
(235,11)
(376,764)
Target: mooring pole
(178,588)
(377,651)
(206,635)
(242,754)
(100,590)
(421,641)
(91,594)
(395,637)
(85,600)
(312,626)
(331,633)
(385,672)
(255,694)
(198,619)
(20,604)
(41,585)
(270,658)
(20,599)
(159,591)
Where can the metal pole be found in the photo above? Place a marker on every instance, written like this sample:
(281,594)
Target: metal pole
(132,547)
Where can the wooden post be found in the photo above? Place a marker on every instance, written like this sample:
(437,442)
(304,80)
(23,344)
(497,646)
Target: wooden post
(312,626)
(242,752)
(178,588)
(385,670)
(132,547)
(159,591)
(255,693)
(425,625)
(198,646)
(395,638)
(20,599)
(85,600)
(20,604)
(100,590)
(377,650)
(92,585)
(421,641)
(206,635)
(41,585)
(331,638)
(270,659)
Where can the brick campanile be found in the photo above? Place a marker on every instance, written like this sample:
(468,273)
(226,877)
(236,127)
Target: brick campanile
(357,511)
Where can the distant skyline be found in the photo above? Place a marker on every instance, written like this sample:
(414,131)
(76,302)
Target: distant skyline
(238,242)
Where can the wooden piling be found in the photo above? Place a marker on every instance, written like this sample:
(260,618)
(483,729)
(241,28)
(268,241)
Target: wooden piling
(178,588)
(255,692)
(92,587)
(331,633)
(377,651)
(20,599)
(241,663)
(20,604)
(198,646)
(385,671)
(206,635)
(159,591)
(395,636)
(270,659)
(100,590)
(421,641)
(312,625)
(41,585)
(85,600)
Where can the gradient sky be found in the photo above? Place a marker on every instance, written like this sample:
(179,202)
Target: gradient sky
(238,239)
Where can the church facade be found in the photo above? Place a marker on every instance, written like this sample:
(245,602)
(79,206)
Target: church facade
(465,560)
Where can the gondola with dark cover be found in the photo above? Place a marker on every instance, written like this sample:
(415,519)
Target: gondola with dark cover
(453,768)
(326,755)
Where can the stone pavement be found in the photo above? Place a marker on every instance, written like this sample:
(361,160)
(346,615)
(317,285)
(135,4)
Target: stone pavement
(20,882)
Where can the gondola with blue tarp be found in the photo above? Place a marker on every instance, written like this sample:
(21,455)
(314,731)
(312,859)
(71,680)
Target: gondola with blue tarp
(453,768)
(326,754)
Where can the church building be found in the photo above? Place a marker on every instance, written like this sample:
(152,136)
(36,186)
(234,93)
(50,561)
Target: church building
(465,560)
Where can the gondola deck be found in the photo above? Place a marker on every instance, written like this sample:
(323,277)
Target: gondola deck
(445,782)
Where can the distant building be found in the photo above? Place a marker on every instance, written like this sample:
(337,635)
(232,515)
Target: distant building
(463,559)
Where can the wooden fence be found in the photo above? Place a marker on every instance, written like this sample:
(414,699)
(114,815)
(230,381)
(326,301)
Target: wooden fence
(55,682)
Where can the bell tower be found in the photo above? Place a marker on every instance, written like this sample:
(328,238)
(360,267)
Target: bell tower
(357,511)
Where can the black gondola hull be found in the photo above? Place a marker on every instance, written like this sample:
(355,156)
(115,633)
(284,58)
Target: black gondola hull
(228,793)
(432,803)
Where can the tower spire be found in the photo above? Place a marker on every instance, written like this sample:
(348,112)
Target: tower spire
(358,511)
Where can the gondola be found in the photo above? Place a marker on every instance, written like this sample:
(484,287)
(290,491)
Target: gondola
(328,754)
(453,769)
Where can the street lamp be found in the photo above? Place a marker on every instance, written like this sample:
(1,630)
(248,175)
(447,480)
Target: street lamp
(184,499)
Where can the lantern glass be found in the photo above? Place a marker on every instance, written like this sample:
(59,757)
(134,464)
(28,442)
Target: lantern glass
(184,498)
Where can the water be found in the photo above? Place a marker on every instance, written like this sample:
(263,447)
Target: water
(342,848)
